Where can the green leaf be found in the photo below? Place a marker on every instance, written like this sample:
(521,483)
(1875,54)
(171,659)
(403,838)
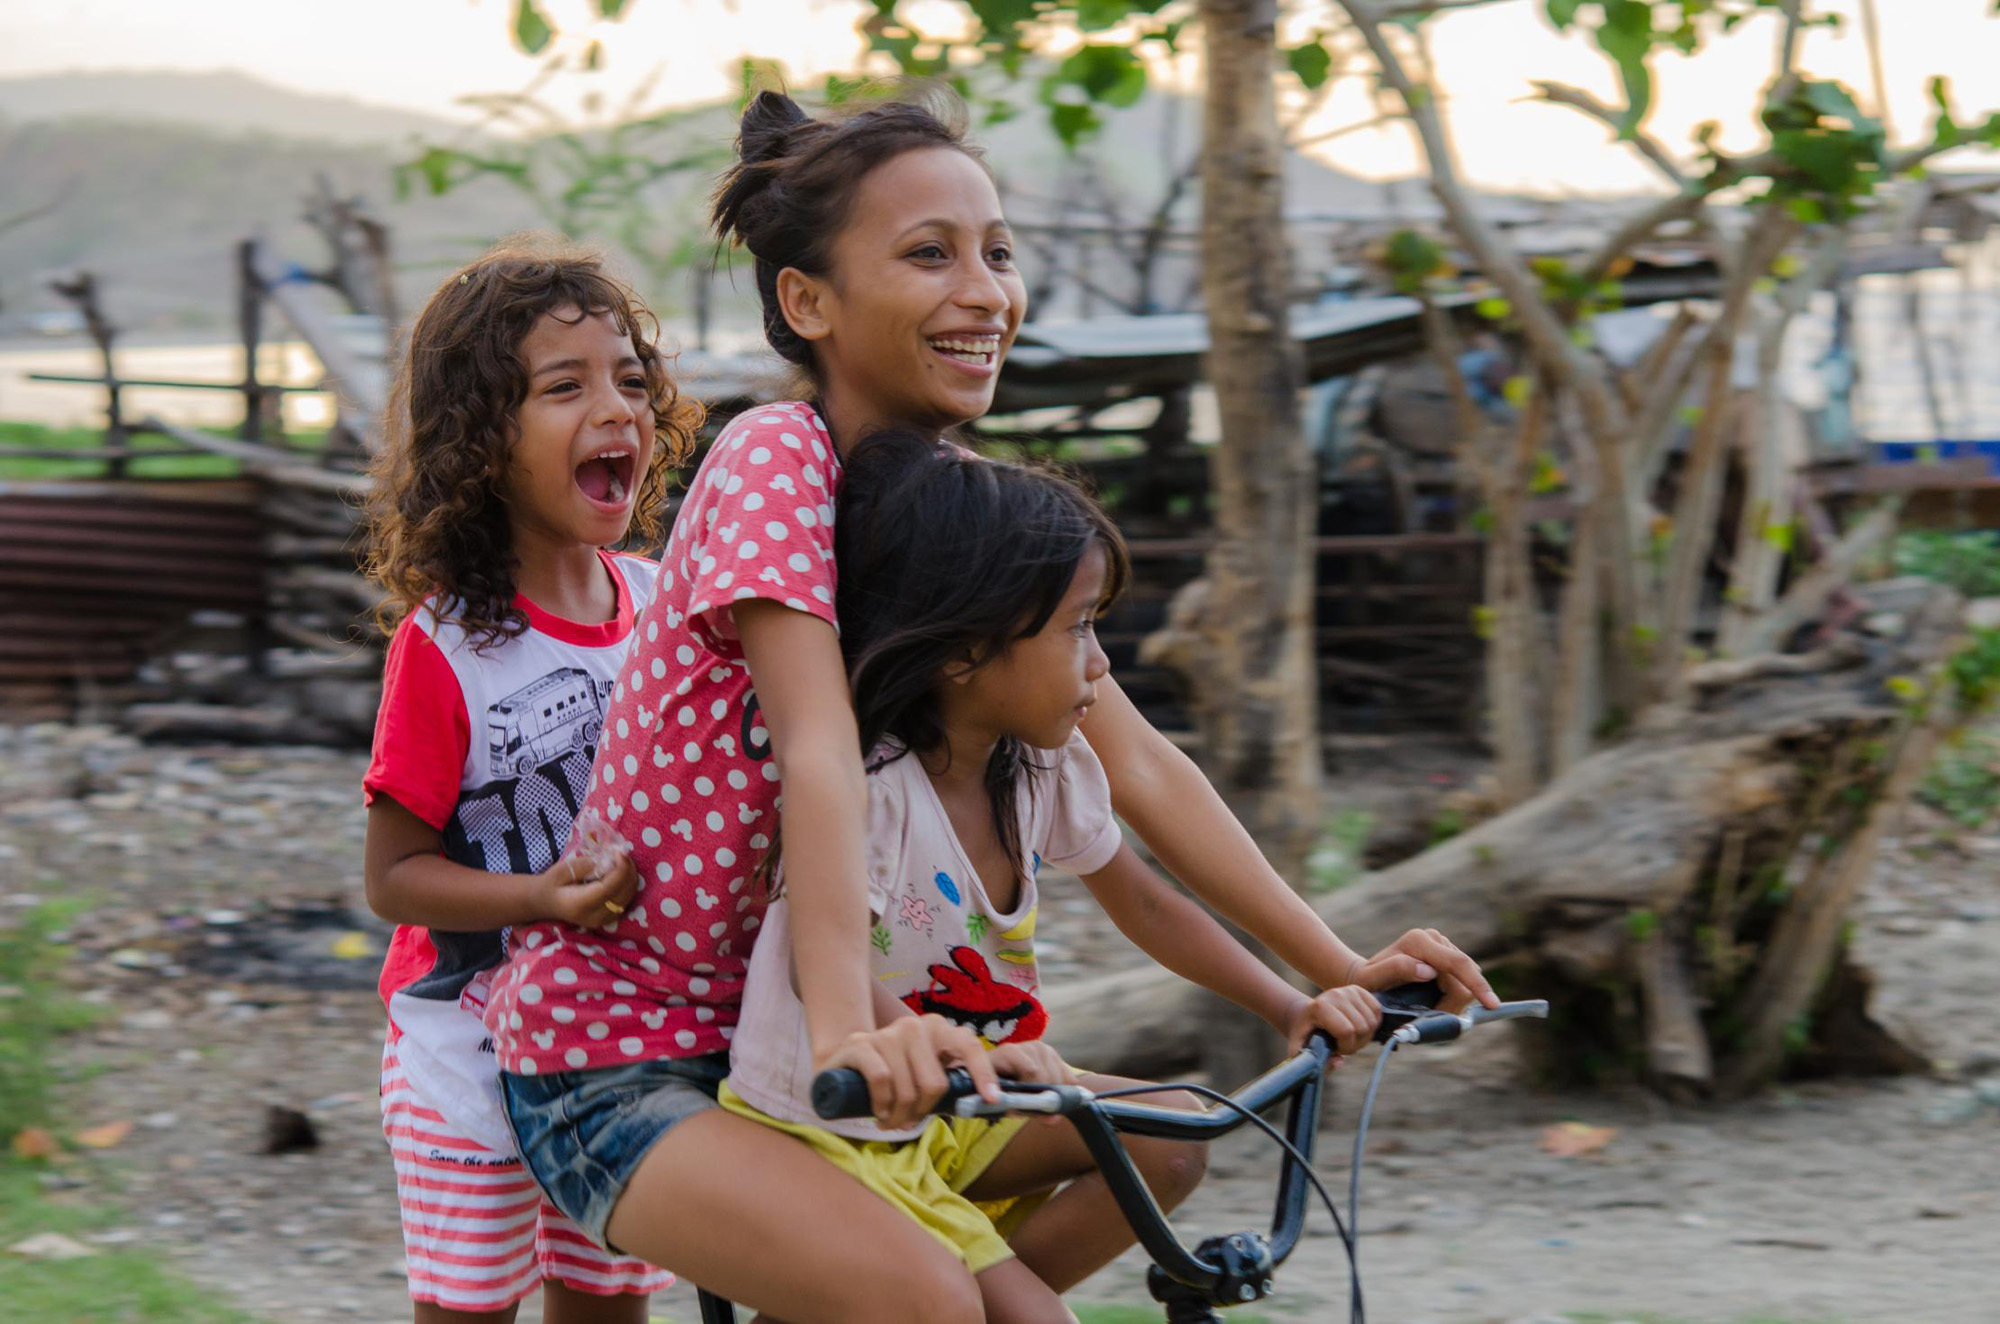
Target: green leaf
(1412,259)
(1780,537)
(840,90)
(1562,13)
(532,30)
(1097,15)
(1627,37)
(1109,74)
(1312,62)
(1515,391)
(1493,308)
(1832,100)
(435,166)
(611,9)
(1073,123)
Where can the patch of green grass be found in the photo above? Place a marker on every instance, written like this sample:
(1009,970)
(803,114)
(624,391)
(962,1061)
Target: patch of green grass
(1964,780)
(1149,1314)
(112,1286)
(33,1011)
(1339,856)
(38,436)
(1648,1317)
(1968,561)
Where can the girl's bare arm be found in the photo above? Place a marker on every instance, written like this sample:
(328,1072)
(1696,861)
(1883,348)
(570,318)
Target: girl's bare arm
(410,882)
(801,685)
(1175,931)
(1170,804)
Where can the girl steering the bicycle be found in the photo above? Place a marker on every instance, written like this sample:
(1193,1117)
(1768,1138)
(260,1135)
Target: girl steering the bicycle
(971,689)
(886,274)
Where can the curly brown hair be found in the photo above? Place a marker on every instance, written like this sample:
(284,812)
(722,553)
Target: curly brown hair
(437,519)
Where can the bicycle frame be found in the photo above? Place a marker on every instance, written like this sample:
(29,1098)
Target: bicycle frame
(1223,1270)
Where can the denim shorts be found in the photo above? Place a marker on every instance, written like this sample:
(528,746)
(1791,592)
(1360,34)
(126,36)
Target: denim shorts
(583,1133)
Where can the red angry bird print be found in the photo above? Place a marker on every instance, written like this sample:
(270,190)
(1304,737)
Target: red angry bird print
(967,993)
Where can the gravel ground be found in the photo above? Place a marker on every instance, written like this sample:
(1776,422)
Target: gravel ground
(230,948)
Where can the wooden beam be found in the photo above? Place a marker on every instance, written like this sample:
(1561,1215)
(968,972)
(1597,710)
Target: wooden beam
(362,387)
(266,462)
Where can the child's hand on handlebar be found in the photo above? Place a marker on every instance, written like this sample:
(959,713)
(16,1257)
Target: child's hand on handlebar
(1422,955)
(1033,1062)
(904,1064)
(1349,1014)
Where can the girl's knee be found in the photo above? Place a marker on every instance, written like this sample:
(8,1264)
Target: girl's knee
(926,1297)
(1174,1168)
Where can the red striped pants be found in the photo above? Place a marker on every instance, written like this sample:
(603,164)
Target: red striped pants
(477,1234)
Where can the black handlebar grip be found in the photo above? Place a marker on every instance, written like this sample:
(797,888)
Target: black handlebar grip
(841,1092)
(1403,1004)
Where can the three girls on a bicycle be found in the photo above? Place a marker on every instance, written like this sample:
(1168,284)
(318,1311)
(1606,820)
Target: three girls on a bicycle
(884,838)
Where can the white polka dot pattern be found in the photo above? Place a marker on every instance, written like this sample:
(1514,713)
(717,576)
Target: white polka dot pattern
(684,770)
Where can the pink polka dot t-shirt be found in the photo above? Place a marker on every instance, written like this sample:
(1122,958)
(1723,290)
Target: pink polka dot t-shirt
(684,771)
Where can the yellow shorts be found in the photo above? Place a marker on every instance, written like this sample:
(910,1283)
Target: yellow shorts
(926,1177)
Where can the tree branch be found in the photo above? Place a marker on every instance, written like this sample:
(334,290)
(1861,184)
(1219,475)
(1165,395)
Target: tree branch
(1639,227)
(1418,8)
(1561,94)
(1563,361)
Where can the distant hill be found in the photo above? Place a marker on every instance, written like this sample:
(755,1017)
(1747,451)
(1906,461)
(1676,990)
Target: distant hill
(160,174)
(155,210)
(224,101)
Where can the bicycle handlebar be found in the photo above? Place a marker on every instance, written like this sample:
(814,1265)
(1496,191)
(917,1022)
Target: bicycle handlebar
(1224,1270)
(1407,1017)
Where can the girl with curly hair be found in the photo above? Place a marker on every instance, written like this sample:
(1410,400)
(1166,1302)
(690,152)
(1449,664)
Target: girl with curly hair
(532,426)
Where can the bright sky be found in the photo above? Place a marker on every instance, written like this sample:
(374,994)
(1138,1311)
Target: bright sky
(422,54)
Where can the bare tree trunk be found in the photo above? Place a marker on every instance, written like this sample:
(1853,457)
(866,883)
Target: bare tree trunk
(1635,891)
(1762,537)
(1700,496)
(1513,615)
(1256,697)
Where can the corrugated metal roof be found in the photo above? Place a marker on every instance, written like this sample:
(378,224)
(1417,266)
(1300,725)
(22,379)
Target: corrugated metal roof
(94,574)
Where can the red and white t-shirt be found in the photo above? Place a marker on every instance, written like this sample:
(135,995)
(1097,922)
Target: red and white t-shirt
(503,788)
(685,772)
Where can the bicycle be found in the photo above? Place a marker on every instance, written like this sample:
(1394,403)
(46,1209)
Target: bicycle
(1231,1269)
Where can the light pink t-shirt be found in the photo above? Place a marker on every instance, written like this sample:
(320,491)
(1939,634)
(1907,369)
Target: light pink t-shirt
(938,942)
(684,771)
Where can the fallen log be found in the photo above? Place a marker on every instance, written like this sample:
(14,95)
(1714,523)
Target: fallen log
(1677,896)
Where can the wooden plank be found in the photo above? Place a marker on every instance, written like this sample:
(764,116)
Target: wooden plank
(268,462)
(363,387)
(86,379)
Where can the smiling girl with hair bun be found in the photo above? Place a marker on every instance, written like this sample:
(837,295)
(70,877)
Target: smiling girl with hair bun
(885,269)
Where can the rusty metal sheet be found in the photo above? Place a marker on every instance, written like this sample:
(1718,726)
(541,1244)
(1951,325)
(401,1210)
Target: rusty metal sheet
(96,575)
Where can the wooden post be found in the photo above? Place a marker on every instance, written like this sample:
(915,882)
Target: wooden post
(250,320)
(81,290)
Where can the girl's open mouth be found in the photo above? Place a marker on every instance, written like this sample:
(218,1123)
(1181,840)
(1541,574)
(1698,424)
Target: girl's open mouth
(606,477)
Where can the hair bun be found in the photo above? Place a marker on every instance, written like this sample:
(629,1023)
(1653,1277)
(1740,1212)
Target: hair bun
(767,126)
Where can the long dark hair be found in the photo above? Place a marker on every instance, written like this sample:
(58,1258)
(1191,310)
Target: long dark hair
(945,556)
(793,183)
(437,518)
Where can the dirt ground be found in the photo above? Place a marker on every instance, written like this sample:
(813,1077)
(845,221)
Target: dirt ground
(231,951)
